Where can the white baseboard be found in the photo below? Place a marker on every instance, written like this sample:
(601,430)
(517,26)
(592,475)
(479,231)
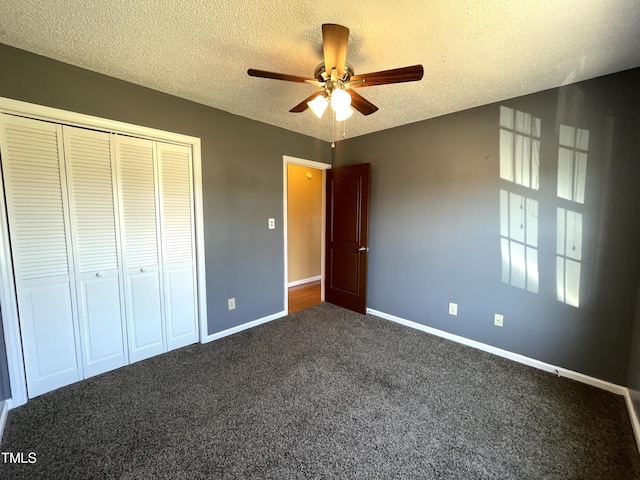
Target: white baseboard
(561,372)
(5,406)
(295,283)
(244,326)
(633,415)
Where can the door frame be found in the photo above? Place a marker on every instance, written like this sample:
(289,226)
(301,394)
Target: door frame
(287,160)
(8,302)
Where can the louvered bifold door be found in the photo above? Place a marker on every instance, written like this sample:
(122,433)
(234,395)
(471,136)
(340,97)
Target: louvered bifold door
(34,181)
(176,199)
(139,233)
(90,182)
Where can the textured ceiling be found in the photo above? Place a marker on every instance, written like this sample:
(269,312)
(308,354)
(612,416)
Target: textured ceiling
(474,52)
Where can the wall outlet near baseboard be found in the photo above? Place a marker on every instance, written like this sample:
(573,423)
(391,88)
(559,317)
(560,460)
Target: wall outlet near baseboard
(231,303)
(453,309)
(498,320)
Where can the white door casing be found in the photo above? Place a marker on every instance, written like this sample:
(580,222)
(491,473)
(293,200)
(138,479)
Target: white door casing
(286,160)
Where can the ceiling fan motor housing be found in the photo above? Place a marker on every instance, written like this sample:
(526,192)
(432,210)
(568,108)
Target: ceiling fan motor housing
(321,74)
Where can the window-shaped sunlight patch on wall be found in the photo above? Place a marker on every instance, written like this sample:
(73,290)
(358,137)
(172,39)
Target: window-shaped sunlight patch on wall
(572,179)
(519,240)
(572,163)
(519,147)
(569,256)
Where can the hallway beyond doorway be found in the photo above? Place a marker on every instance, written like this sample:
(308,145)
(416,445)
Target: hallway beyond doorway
(304,296)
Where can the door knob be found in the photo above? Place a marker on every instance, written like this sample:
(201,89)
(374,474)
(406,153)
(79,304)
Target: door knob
(99,274)
(143,269)
(363,249)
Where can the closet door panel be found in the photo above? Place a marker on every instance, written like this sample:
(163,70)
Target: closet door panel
(176,200)
(145,311)
(48,338)
(34,180)
(137,181)
(180,305)
(138,189)
(100,313)
(92,205)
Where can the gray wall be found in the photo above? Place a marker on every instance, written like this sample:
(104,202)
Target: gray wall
(435,227)
(241,168)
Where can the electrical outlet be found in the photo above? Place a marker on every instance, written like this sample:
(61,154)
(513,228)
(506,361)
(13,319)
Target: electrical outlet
(231,303)
(498,320)
(272,223)
(453,309)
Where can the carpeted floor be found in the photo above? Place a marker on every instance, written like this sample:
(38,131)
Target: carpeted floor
(324,393)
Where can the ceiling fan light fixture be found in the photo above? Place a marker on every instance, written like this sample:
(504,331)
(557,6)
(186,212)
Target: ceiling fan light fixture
(343,114)
(340,100)
(337,80)
(318,105)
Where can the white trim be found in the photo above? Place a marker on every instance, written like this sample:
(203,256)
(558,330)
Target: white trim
(560,371)
(302,281)
(244,326)
(633,415)
(323,249)
(5,406)
(55,115)
(9,307)
(198,211)
(8,304)
(286,160)
(306,163)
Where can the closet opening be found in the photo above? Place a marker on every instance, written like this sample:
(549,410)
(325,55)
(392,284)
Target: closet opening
(102,245)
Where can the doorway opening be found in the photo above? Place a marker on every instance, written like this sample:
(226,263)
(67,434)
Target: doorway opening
(304,230)
(305,296)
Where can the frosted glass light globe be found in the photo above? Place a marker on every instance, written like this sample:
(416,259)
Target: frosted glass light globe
(318,105)
(343,114)
(340,100)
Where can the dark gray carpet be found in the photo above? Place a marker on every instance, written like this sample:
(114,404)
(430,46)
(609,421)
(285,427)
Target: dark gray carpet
(325,393)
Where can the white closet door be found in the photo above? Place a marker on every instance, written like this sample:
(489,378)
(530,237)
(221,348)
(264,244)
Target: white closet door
(90,183)
(139,227)
(33,168)
(176,198)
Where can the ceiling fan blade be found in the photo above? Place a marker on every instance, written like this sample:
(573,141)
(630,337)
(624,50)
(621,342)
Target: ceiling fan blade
(280,76)
(302,106)
(334,45)
(385,77)
(361,104)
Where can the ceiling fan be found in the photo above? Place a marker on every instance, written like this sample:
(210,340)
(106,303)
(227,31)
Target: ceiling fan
(337,79)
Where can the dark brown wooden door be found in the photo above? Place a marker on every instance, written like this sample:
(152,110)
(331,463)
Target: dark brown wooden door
(347,236)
